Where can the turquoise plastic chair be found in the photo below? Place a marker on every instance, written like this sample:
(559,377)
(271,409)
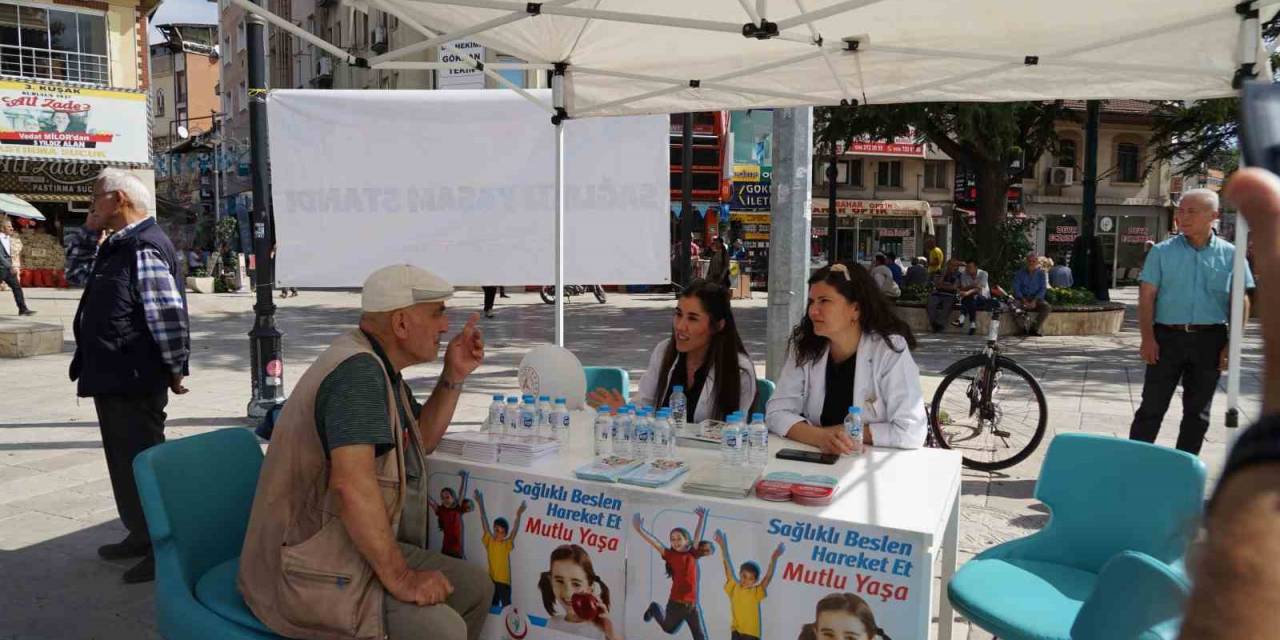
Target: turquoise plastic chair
(197,493)
(1107,495)
(1137,598)
(611,378)
(764,391)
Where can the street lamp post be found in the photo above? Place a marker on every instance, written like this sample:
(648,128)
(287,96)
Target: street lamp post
(264,340)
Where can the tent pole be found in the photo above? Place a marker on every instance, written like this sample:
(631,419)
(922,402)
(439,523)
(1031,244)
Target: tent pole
(557,101)
(1250,42)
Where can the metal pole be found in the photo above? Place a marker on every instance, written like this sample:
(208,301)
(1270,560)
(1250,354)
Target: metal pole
(1238,321)
(685,270)
(1089,211)
(217,171)
(832,174)
(789,239)
(264,340)
(557,101)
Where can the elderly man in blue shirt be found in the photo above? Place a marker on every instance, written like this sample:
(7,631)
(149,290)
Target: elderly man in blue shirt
(1183,308)
(1029,287)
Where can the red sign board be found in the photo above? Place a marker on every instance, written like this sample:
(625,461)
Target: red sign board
(899,147)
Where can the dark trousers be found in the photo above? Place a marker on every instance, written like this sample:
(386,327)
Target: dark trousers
(130,424)
(676,615)
(971,305)
(501,596)
(1189,358)
(1042,310)
(10,277)
(489,294)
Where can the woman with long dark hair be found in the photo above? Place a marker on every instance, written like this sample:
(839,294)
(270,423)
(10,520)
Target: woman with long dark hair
(704,356)
(849,350)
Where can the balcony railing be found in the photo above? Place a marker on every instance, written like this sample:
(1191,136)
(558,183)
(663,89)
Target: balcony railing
(50,64)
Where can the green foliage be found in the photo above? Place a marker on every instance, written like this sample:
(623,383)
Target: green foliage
(199,272)
(1070,297)
(226,230)
(1006,247)
(915,293)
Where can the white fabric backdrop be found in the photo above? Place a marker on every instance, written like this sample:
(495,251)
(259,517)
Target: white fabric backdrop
(461,183)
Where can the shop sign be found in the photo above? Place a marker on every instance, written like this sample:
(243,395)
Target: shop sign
(460,77)
(54,121)
(751,218)
(845,208)
(746,173)
(899,147)
(1064,233)
(750,196)
(1135,235)
(48,180)
(894,233)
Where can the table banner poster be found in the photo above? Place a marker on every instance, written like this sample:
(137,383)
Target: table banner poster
(727,572)
(554,549)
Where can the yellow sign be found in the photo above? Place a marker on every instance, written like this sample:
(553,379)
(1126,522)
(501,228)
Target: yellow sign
(750,218)
(746,173)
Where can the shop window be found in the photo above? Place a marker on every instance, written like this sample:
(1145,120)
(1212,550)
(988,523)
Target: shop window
(935,174)
(1066,154)
(889,174)
(855,173)
(241,38)
(53,44)
(1128,159)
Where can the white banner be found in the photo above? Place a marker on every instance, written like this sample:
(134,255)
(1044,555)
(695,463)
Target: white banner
(460,78)
(52,121)
(462,183)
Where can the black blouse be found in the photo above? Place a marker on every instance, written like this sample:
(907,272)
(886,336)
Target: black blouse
(839,390)
(691,391)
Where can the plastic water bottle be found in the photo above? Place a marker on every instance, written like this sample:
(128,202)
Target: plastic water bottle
(679,409)
(731,440)
(528,417)
(602,432)
(497,421)
(544,411)
(663,438)
(853,423)
(512,421)
(642,442)
(757,442)
(622,432)
(559,419)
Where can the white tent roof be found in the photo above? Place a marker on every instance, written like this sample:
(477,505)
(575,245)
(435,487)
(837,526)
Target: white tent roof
(640,56)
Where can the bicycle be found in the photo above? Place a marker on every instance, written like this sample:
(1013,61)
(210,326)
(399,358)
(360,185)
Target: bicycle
(548,292)
(985,403)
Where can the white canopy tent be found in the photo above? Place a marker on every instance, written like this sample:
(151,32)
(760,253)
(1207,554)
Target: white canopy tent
(615,57)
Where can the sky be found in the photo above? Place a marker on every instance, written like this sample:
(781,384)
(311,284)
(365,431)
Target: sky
(200,11)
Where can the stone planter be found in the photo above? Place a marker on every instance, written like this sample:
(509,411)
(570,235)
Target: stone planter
(200,285)
(1104,318)
(23,339)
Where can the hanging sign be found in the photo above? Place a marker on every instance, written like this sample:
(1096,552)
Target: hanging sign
(460,78)
(53,121)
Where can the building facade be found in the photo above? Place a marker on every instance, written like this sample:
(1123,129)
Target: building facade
(74,80)
(1133,202)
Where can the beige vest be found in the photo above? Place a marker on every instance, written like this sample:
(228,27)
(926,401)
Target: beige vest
(299,571)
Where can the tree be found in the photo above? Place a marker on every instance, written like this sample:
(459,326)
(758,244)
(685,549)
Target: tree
(987,138)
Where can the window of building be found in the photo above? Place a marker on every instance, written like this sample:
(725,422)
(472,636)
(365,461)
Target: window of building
(1127,161)
(53,44)
(889,174)
(515,76)
(180,88)
(935,174)
(242,98)
(1066,154)
(855,173)
(241,38)
(159,106)
(842,172)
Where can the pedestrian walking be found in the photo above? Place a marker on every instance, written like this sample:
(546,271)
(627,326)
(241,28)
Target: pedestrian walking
(9,267)
(1184,304)
(132,345)
(1030,286)
(490,295)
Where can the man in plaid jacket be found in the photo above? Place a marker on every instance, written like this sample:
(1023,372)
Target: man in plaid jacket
(132,345)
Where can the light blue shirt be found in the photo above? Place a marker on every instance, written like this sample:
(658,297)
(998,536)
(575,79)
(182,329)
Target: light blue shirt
(1194,284)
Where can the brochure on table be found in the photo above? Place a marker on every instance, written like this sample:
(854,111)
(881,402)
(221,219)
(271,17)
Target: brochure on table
(581,537)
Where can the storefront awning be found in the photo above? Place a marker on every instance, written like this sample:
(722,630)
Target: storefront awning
(846,208)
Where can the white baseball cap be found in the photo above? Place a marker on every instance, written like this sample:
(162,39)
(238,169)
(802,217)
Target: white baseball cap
(402,285)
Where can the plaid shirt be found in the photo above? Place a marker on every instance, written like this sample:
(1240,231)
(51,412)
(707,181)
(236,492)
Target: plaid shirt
(162,304)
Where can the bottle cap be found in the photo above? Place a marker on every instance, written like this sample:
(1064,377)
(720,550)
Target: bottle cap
(512,400)
(604,408)
(855,410)
(544,398)
(755,417)
(498,397)
(560,401)
(677,387)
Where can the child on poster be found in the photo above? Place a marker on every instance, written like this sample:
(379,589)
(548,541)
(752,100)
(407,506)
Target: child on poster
(746,591)
(842,616)
(498,541)
(449,516)
(576,599)
(682,567)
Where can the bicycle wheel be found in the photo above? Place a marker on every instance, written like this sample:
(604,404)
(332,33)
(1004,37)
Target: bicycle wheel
(548,294)
(995,432)
(599,291)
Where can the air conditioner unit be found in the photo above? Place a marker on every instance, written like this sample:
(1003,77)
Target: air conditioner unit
(1062,176)
(379,40)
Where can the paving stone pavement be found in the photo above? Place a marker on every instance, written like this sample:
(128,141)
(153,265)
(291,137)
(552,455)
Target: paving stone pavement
(55,498)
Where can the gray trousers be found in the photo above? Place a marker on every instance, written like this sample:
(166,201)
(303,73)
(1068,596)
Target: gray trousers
(459,618)
(938,307)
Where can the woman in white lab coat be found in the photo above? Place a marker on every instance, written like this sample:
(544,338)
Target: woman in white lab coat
(704,355)
(849,350)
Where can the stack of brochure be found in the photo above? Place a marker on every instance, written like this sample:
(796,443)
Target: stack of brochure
(522,452)
(607,468)
(721,481)
(655,473)
(703,435)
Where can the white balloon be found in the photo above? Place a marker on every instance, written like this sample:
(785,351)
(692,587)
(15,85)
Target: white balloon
(548,370)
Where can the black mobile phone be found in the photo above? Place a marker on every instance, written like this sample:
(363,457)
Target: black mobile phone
(808,456)
(1260,125)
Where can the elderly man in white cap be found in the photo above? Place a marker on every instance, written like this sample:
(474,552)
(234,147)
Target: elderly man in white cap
(335,546)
